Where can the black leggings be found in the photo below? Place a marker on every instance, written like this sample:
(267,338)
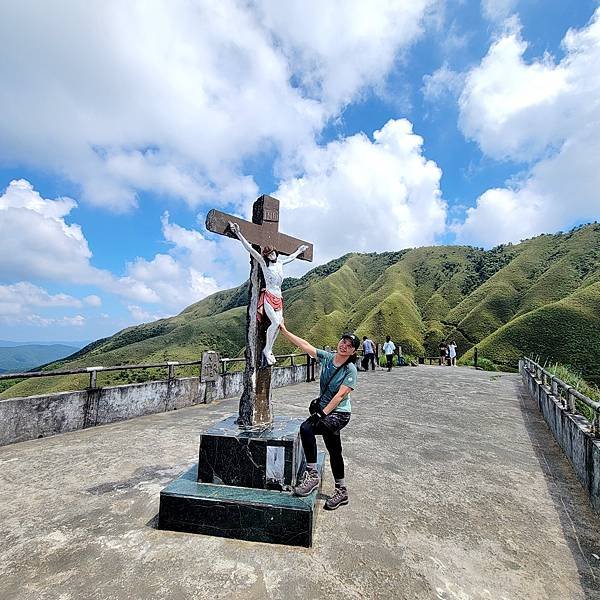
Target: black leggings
(331,437)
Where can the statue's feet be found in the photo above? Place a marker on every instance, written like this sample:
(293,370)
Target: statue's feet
(269,358)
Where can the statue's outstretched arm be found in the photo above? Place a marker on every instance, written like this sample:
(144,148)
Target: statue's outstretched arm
(236,229)
(291,257)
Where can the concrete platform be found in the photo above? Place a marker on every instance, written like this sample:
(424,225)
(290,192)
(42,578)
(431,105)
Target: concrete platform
(457,491)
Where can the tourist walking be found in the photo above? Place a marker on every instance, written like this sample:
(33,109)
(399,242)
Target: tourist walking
(443,348)
(330,413)
(452,353)
(388,349)
(368,353)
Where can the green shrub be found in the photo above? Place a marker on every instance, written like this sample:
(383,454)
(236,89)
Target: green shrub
(574,378)
(383,360)
(482,363)
(6,383)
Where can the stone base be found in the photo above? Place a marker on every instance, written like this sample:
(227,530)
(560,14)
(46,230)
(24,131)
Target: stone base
(244,513)
(269,458)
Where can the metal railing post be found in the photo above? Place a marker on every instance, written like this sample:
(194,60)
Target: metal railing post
(93,371)
(172,364)
(567,393)
(596,424)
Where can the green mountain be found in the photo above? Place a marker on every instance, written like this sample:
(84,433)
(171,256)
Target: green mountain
(539,297)
(16,359)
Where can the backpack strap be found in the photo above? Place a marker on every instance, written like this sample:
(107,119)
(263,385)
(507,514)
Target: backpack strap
(343,365)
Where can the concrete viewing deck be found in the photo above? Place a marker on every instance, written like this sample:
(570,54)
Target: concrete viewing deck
(457,491)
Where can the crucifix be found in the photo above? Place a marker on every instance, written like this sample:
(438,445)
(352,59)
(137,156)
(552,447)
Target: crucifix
(258,236)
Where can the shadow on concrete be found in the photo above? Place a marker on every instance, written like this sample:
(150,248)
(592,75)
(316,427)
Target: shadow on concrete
(579,521)
(153,522)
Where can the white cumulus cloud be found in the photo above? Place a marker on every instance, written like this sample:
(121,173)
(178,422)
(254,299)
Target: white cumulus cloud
(173,97)
(20,303)
(497,10)
(337,48)
(36,240)
(365,195)
(38,245)
(442,82)
(542,112)
(26,294)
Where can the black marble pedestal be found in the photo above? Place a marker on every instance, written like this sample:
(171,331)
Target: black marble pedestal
(269,458)
(241,486)
(243,513)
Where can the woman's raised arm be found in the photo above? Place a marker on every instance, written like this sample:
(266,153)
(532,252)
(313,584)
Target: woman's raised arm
(298,341)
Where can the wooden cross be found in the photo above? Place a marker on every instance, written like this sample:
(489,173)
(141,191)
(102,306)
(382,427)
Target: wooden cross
(255,403)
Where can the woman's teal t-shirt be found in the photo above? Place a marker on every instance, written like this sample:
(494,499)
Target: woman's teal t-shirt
(345,375)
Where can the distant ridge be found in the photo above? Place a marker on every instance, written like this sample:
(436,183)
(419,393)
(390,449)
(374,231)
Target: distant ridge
(25,357)
(13,344)
(540,297)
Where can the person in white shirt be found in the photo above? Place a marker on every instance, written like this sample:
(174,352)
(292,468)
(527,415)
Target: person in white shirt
(452,353)
(389,348)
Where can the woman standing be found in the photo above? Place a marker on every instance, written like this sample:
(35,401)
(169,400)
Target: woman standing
(452,353)
(330,413)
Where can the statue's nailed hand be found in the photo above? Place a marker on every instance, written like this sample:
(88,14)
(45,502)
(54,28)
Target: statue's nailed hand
(302,248)
(235,228)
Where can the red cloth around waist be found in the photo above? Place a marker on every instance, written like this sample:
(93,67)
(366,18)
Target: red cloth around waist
(275,301)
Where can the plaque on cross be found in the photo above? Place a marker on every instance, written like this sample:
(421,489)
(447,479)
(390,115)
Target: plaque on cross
(262,232)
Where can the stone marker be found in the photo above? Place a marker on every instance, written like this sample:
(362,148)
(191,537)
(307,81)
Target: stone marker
(209,370)
(209,373)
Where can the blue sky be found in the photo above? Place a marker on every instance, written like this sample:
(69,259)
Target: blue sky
(378,125)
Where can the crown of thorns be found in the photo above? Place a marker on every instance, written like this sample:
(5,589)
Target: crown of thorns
(268,249)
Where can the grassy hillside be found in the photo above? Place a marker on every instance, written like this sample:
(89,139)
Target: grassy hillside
(567,332)
(540,297)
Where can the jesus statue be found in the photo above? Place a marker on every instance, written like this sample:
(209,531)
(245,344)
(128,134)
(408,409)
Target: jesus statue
(270,301)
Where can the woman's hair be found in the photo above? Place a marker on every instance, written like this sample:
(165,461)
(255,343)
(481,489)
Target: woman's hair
(387,338)
(267,250)
(352,358)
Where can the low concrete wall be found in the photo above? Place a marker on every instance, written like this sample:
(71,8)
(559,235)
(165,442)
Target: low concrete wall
(41,416)
(571,431)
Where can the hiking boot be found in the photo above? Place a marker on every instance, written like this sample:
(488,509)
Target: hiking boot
(338,498)
(308,483)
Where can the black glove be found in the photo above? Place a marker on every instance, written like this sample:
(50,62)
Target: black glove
(314,405)
(316,416)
